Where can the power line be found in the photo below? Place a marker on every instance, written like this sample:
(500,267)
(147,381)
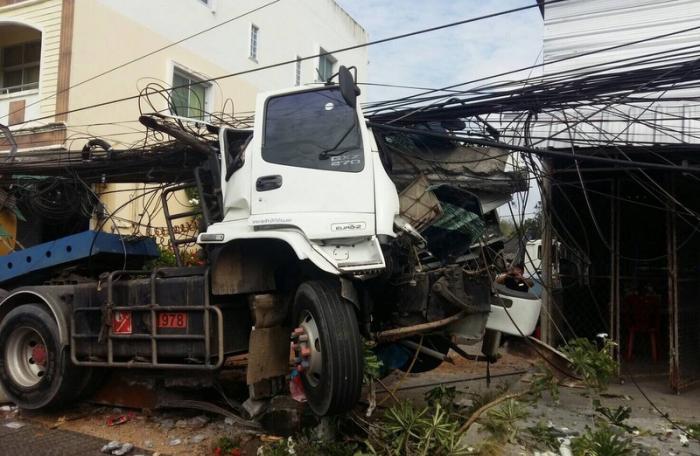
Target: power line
(287,62)
(155,51)
(575,56)
(539,152)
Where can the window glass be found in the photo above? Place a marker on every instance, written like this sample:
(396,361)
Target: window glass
(31,75)
(180,96)
(188,101)
(197,97)
(314,129)
(325,67)
(32,52)
(12,56)
(12,78)
(20,66)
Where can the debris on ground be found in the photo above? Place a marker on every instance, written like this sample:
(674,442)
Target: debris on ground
(121,419)
(14,425)
(111,446)
(521,411)
(123,450)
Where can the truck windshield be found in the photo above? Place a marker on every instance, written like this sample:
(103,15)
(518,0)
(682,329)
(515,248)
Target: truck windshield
(315,129)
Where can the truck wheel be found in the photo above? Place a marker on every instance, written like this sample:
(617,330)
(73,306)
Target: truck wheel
(332,349)
(35,370)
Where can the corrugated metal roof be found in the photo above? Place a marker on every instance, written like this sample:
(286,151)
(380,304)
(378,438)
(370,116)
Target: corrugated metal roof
(575,27)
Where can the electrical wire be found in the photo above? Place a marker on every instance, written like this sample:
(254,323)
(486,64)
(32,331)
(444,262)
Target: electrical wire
(148,54)
(309,57)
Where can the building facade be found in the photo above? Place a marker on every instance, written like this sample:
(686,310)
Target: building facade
(632,230)
(63,62)
(581,36)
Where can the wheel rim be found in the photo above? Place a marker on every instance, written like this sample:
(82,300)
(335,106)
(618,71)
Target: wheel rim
(26,357)
(310,349)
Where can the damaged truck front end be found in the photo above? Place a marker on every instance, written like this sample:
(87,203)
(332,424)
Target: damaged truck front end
(437,290)
(393,235)
(316,226)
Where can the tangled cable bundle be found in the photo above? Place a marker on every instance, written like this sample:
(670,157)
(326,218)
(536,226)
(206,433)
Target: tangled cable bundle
(57,199)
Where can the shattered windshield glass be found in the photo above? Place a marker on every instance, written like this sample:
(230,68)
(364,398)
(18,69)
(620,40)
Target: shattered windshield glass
(315,129)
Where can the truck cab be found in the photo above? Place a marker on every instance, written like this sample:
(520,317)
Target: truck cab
(310,175)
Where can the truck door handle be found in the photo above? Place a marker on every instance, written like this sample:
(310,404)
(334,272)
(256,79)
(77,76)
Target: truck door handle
(266,183)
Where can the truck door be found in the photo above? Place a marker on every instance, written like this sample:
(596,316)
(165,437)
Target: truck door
(235,172)
(313,169)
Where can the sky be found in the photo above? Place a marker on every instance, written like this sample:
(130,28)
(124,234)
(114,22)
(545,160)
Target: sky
(449,56)
(458,54)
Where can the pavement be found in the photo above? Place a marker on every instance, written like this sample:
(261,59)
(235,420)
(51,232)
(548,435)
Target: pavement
(19,438)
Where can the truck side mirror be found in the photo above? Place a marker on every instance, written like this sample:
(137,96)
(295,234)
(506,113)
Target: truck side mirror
(347,86)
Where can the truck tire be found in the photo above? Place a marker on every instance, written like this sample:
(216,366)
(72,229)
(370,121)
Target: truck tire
(333,378)
(35,370)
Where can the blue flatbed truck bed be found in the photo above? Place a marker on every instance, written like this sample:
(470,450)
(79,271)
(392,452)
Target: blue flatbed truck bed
(98,248)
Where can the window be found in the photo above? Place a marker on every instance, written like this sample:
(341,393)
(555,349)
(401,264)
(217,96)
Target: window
(313,129)
(191,100)
(254,37)
(325,66)
(20,67)
(297,72)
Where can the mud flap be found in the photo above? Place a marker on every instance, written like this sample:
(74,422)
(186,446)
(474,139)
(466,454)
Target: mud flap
(269,354)
(269,346)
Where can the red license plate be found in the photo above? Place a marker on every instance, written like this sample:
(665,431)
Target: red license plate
(176,320)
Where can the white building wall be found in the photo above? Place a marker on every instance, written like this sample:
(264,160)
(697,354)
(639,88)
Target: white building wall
(108,33)
(287,29)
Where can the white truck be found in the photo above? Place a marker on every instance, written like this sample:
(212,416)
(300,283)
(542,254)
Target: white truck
(316,228)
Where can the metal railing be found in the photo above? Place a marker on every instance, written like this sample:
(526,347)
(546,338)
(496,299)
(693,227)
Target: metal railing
(18,88)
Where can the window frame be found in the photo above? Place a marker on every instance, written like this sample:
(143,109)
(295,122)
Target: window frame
(253,42)
(358,125)
(22,67)
(191,77)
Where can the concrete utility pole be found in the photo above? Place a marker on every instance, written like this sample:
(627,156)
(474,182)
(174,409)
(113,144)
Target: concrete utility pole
(546,265)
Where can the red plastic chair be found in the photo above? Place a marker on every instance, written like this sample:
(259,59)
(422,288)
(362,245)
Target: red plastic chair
(644,319)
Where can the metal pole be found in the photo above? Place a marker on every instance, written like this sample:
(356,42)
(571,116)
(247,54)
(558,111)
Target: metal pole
(546,312)
(613,264)
(616,281)
(674,366)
